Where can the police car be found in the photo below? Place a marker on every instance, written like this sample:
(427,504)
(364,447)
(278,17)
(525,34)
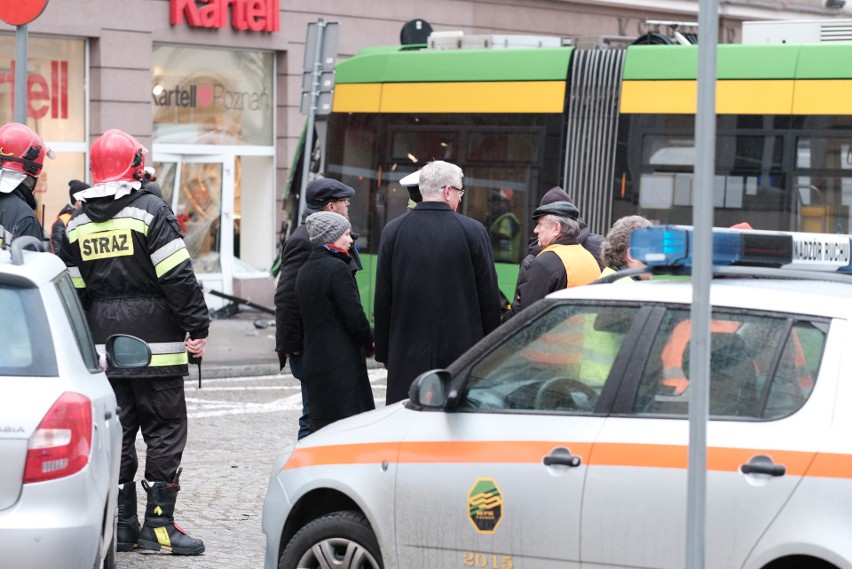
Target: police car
(561,439)
(60,436)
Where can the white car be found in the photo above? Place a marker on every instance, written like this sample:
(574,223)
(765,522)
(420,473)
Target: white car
(561,439)
(60,436)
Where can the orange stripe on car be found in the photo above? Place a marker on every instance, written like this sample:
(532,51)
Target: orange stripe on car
(797,463)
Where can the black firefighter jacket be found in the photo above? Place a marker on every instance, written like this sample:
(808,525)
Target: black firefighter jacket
(130,265)
(16,220)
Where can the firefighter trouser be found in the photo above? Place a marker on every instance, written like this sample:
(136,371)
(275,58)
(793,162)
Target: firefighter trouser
(157,406)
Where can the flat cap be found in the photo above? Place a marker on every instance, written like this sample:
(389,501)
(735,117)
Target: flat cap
(324,190)
(562,209)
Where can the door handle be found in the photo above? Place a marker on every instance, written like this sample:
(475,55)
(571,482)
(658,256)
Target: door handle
(108,415)
(562,456)
(763,465)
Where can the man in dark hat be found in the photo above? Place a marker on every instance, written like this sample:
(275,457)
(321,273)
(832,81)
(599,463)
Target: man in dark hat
(591,241)
(561,262)
(58,229)
(322,194)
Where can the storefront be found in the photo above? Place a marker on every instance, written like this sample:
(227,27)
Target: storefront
(213,88)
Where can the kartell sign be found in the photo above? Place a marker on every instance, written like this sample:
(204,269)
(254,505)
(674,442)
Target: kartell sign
(244,15)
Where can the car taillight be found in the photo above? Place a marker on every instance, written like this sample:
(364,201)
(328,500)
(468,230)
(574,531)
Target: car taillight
(61,443)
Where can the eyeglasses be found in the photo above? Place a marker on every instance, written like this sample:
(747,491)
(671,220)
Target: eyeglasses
(347,201)
(459,190)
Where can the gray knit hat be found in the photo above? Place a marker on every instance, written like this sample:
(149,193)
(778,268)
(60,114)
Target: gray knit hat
(326,227)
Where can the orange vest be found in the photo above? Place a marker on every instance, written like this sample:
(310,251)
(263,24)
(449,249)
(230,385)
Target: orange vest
(580,267)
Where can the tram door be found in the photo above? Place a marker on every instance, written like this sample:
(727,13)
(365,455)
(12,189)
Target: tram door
(201,191)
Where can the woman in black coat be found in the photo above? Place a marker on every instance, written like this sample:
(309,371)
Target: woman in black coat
(337,333)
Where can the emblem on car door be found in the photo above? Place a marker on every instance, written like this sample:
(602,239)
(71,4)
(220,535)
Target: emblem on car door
(485,505)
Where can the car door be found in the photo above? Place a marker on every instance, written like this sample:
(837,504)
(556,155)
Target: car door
(497,482)
(760,438)
(90,380)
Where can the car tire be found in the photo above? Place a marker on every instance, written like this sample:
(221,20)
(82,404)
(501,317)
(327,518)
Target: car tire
(340,539)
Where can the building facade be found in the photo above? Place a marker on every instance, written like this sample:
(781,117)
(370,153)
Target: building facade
(213,88)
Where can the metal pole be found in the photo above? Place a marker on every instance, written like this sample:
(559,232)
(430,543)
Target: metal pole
(21,58)
(702,216)
(309,135)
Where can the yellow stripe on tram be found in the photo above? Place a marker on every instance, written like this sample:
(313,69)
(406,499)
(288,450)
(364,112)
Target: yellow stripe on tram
(357,98)
(447,97)
(741,97)
(823,97)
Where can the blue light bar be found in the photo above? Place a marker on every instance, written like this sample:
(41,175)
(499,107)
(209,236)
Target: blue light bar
(671,246)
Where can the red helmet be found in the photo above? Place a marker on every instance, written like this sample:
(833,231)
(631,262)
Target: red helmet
(116,157)
(21,149)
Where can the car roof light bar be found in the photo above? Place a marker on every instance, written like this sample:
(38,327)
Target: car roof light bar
(671,246)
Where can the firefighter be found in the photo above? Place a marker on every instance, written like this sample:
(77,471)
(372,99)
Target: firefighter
(22,154)
(127,258)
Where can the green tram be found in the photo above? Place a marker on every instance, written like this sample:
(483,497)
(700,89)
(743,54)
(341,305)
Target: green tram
(613,127)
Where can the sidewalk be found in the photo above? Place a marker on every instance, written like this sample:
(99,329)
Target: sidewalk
(241,346)
(235,346)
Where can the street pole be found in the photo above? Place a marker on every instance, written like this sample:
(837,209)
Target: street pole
(314,96)
(702,220)
(21,59)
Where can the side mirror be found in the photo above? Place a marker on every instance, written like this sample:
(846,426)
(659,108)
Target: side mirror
(125,351)
(429,390)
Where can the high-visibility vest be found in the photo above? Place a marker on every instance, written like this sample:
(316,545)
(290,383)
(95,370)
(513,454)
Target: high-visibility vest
(580,266)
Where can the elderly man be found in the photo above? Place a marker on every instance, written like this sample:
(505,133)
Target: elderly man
(436,287)
(562,261)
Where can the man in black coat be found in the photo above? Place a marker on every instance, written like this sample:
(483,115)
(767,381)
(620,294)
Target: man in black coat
(436,286)
(322,194)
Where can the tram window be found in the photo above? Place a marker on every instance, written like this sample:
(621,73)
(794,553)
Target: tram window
(664,150)
(503,147)
(422,146)
(824,153)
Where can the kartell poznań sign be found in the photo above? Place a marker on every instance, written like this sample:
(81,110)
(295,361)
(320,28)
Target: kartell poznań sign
(20,12)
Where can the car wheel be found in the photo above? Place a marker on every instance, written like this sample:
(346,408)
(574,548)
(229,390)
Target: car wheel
(342,540)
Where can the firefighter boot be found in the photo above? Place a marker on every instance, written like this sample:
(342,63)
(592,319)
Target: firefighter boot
(127,530)
(160,532)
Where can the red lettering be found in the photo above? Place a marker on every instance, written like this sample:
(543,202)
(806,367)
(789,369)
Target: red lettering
(238,17)
(211,15)
(251,15)
(256,15)
(63,90)
(181,8)
(37,90)
(40,90)
(274,21)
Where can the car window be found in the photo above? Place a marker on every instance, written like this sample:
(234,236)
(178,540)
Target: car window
(26,348)
(77,319)
(558,363)
(761,366)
